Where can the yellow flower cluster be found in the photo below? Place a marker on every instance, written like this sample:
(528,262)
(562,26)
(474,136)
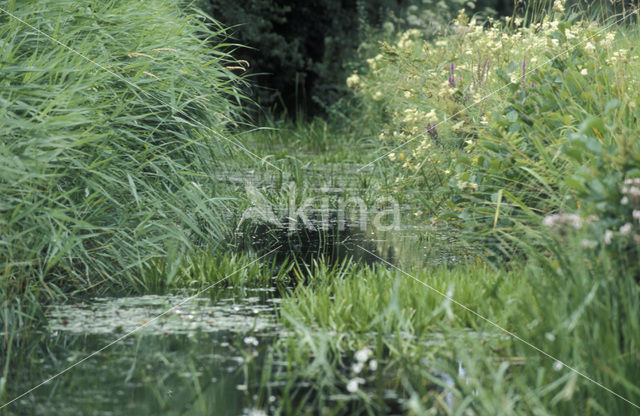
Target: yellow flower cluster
(353,81)
(441,90)
(408,39)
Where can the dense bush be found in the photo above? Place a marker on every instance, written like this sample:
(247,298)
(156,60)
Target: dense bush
(105,165)
(298,51)
(506,125)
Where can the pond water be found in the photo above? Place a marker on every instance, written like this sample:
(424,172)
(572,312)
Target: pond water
(197,354)
(203,357)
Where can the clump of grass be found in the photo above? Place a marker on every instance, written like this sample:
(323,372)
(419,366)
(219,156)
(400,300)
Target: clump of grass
(419,339)
(110,144)
(222,269)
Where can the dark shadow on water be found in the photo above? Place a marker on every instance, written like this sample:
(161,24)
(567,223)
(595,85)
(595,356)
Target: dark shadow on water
(330,240)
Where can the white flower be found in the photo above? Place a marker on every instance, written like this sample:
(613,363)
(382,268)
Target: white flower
(625,229)
(458,125)
(609,38)
(357,367)
(373,365)
(608,236)
(561,220)
(624,200)
(584,72)
(634,191)
(431,116)
(558,366)
(363,355)
(251,341)
(352,385)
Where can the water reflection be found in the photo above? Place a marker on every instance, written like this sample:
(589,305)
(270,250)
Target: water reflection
(200,359)
(330,240)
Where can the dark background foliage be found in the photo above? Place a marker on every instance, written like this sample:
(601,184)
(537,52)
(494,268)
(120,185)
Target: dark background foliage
(298,50)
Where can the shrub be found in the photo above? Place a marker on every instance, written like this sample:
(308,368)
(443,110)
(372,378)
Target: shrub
(504,125)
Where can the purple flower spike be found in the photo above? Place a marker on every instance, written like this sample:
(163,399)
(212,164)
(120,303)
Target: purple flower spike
(432,130)
(452,72)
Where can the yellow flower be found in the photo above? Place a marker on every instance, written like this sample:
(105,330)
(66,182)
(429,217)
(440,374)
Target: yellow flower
(558,6)
(475,160)
(353,81)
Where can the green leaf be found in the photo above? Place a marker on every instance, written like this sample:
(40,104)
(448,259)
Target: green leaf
(592,125)
(611,105)
(575,183)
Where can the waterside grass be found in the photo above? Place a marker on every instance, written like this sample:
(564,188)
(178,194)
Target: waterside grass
(114,123)
(420,339)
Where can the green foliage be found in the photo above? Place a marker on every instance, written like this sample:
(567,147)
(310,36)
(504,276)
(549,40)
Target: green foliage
(298,51)
(109,144)
(505,124)
(416,336)
(295,50)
